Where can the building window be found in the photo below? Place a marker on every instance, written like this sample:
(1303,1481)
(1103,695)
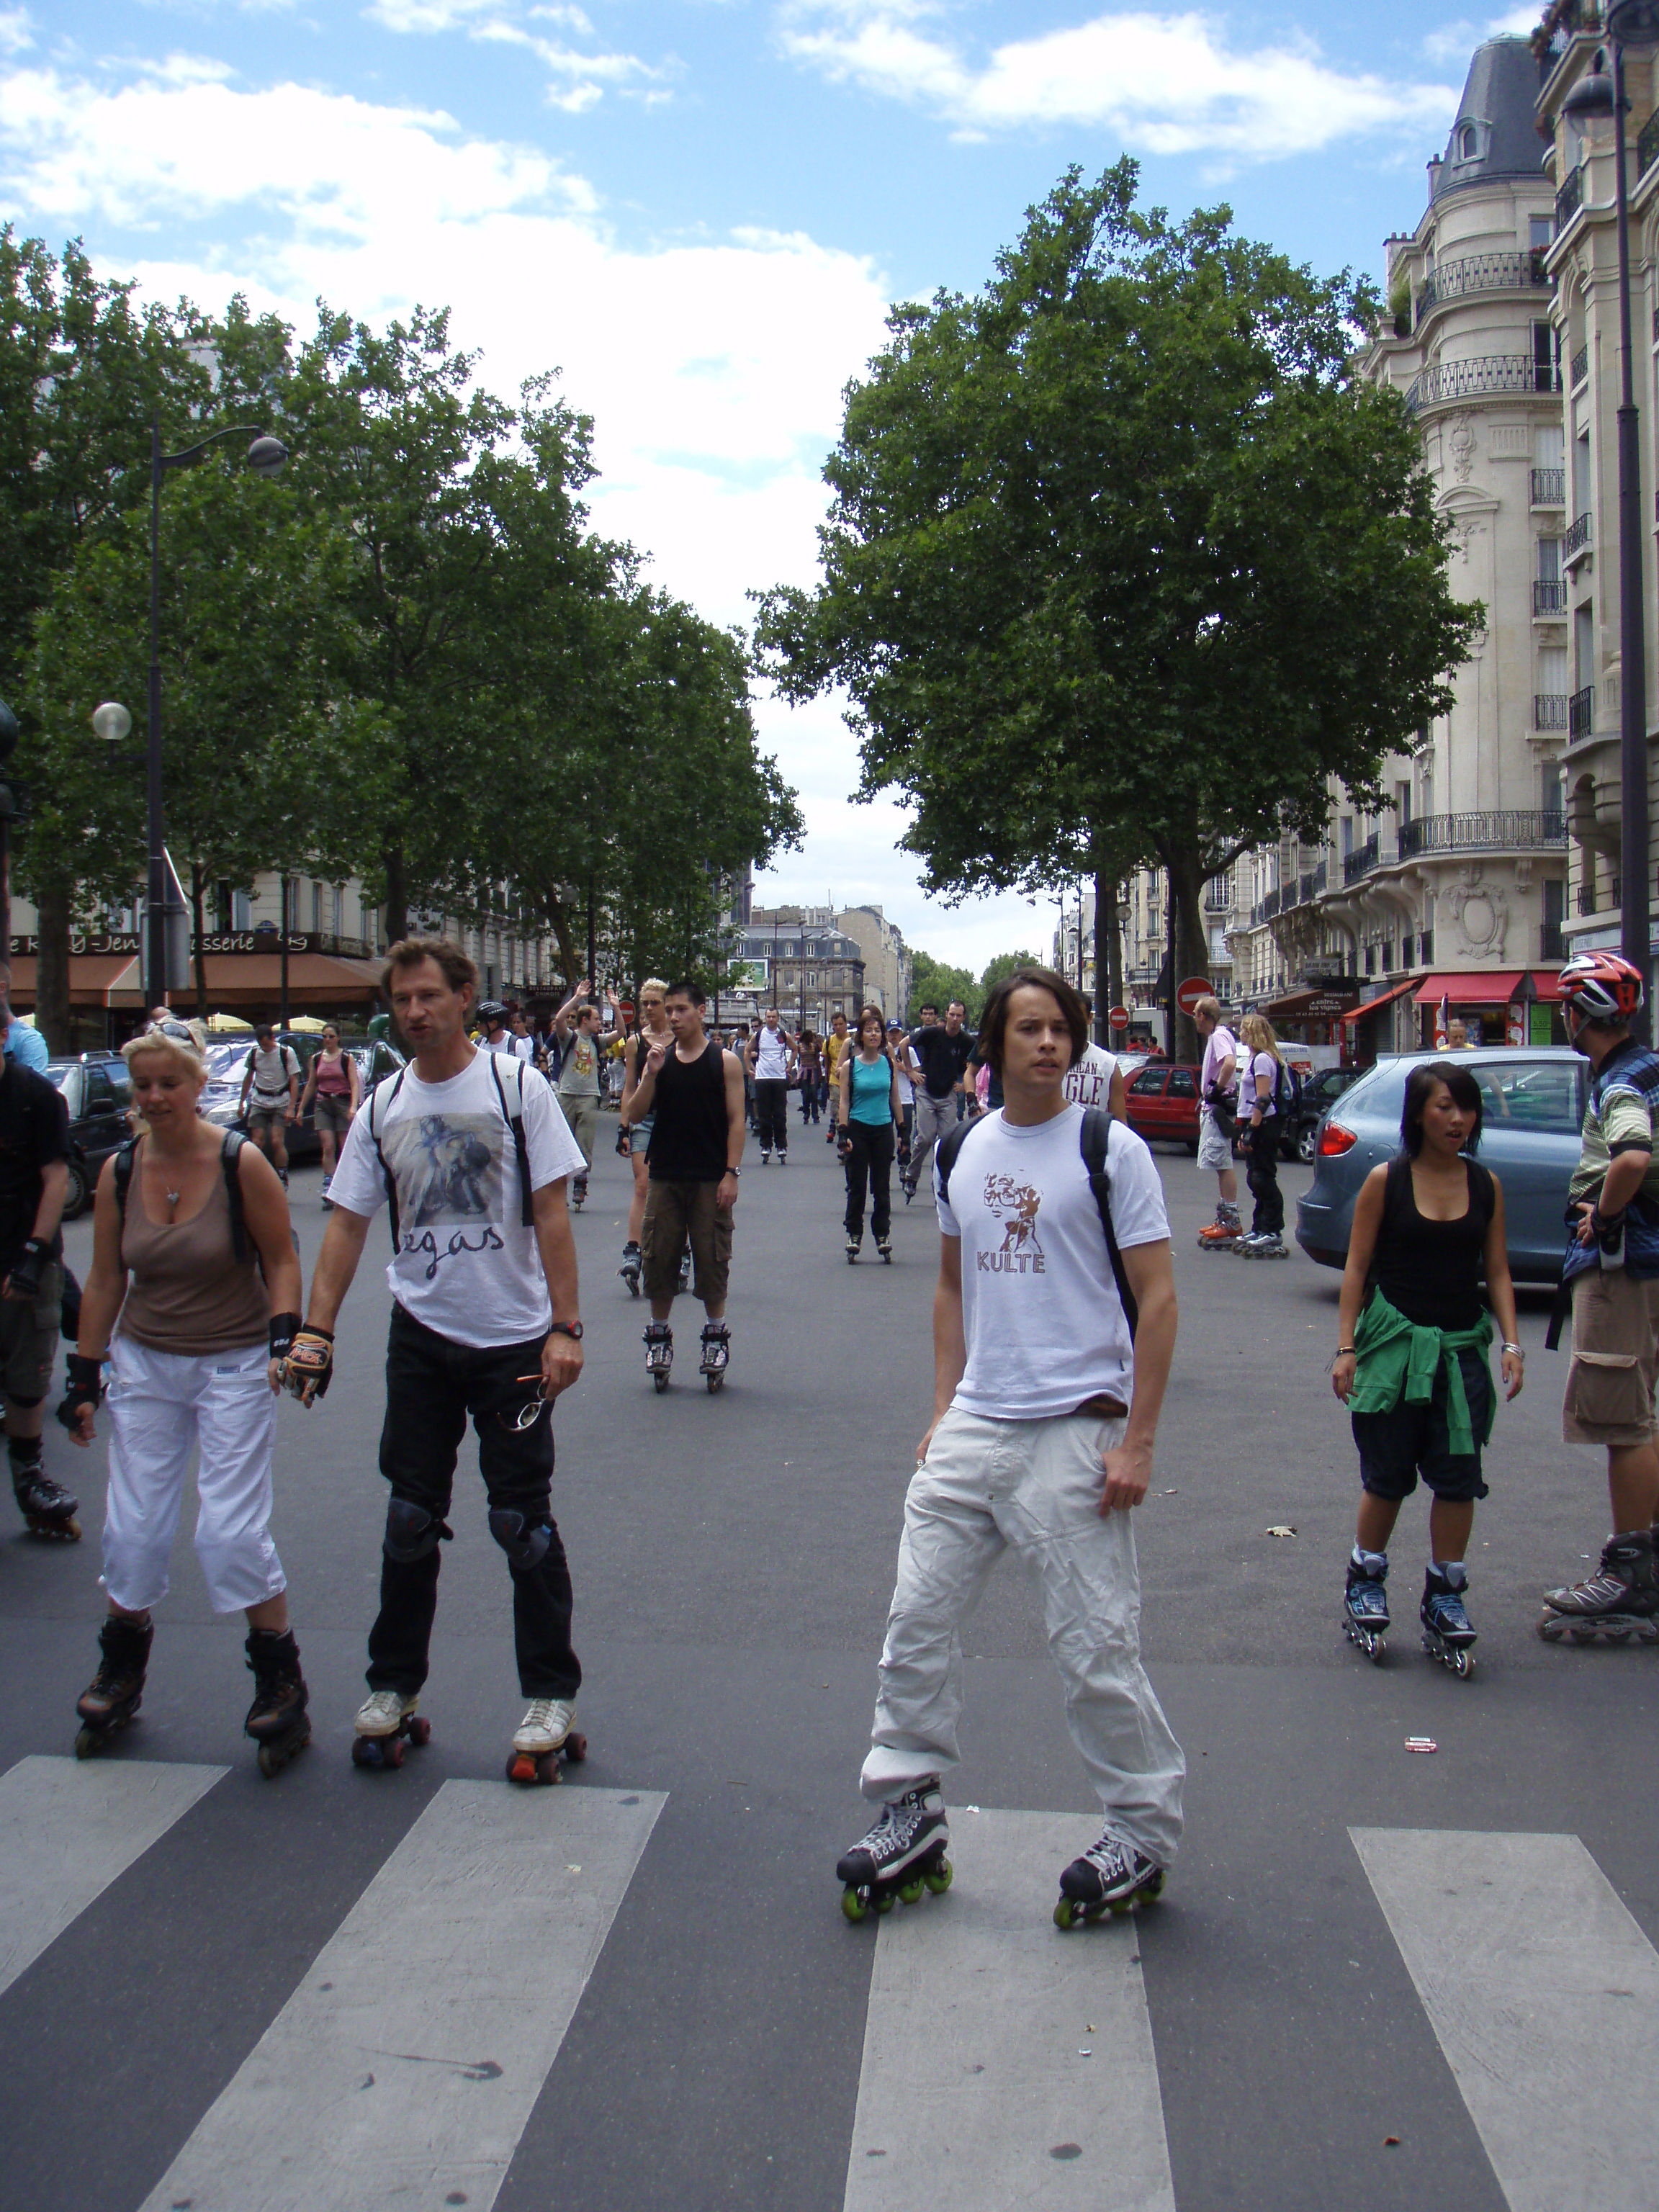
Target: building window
(317,909)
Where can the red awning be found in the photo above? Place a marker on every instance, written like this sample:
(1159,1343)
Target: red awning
(1369,1006)
(1546,981)
(96,979)
(1490,987)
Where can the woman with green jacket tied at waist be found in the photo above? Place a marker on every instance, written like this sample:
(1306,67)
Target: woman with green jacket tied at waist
(1411,1367)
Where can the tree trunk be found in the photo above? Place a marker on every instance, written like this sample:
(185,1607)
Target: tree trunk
(559,922)
(397,896)
(197,889)
(52,986)
(1191,954)
(1108,945)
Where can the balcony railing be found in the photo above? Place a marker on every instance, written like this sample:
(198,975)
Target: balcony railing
(1490,373)
(1590,902)
(1549,597)
(1647,145)
(1576,539)
(1549,710)
(1580,366)
(1581,716)
(1480,272)
(1509,830)
(1549,487)
(1363,859)
(1568,199)
(1550,944)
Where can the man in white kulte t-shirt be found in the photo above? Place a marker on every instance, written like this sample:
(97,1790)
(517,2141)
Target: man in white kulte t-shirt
(471,1151)
(1046,1399)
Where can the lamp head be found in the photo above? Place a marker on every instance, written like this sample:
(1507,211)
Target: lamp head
(266,455)
(1591,98)
(110,722)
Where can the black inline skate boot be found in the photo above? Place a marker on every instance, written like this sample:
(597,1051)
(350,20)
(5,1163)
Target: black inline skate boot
(1447,1631)
(579,1194)
(659,1353)
(1111,1876)
(277,1719)
(854,1246)
(716,1353)
(1365,1605)
(117,1689)
(903,1854)
(629,1269)
(47,1508)
(1619,1599)
(885,1249)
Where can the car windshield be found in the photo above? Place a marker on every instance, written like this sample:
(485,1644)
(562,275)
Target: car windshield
(57,1075)
(225,1060)
(1530,1094)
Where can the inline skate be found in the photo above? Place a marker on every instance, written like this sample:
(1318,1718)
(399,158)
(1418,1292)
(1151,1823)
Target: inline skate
(277,1719)
(659,1353)
(1447,1631)
(47,1508)
(1226,1233)
(545,1741)
(1365,1604)
(117,1690)
(1111,1876)
(884,1250)
(1618,1601)
(630,1269)
(903,1854)
(387,1724)
(854,1246)
(685,1270)
(716,1353)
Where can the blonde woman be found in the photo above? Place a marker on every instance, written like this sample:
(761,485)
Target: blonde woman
(653,1029)
(1263,1095)
(194,1298)
(335,1092)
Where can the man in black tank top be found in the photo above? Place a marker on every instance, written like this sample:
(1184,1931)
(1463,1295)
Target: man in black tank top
(696,1092)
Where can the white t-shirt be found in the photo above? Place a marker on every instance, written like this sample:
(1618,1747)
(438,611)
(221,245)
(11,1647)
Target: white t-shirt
(1044,1326)
(905,1061)
(1090,1082)
(525,1046)
(504,1043)
(271,1071)
(466,1264)
(771,1057)
(1220,1044)
(1256,1078)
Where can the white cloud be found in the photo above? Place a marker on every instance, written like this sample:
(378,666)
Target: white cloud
(1454,43)
(579,79)
(1166,84)
(15,31)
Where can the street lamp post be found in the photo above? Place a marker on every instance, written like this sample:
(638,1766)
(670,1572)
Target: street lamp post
(1633,23)
(266,456)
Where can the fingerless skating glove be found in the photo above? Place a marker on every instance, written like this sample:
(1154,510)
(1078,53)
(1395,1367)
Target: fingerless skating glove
(23,1283)
(86,1387)
(309,1364)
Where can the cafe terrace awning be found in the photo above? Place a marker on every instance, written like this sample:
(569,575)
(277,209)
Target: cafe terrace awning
(1315,1005)
(1491,987)
(255,979)
(96,979)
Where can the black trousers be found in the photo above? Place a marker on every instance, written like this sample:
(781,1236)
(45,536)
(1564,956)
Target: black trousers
(870,1164)
(772,1114)
(432,1385)
(1262,1176)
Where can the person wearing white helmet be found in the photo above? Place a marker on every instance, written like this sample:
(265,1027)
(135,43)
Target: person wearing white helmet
(1611,1272)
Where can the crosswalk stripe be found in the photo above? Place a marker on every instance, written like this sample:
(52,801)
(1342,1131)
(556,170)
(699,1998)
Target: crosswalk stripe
(974,2090)
(403,2068)
(1544,1994)
(67,1828)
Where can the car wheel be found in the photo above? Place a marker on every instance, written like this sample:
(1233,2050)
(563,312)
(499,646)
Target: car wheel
(76,1196)
(1307,1144)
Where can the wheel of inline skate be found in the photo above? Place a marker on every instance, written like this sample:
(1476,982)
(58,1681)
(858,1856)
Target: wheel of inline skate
(575,1749)
(420,1731)
(86,1743)
(1553,1628)
(884,1903)
(1067,1914)
(1617,1631)
(939,1878)
(1581,1635)
(909,1893)
(855,1905)
(661,1382)
(713,1381)
(1463,1664)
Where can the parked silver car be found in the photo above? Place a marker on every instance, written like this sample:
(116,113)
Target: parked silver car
(1534,1112)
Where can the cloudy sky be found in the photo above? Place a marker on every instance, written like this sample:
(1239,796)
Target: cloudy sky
(698,211)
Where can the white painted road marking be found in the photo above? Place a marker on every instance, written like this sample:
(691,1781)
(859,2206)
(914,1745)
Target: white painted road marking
(1544,1993)
(67,1828)
(403,2069)
(973,2091)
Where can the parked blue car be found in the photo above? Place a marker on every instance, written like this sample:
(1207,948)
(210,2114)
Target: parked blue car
(1534,1112)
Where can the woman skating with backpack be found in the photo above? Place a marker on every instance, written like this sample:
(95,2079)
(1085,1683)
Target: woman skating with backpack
(867,1118)
(1263,1089)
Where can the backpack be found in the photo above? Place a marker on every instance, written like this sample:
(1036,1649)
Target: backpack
(1094,1143)
(229,1153)
(514,1121)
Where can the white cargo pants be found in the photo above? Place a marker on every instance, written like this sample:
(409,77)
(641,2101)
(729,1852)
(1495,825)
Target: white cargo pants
(1034,1486)
(161,1405)
(932,1118)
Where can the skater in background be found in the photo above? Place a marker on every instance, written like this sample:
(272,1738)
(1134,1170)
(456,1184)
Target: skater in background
(1412,1355)
(1218,1088)
(1612,1265)
(867,1117)
(578,1043)
(271,1092)
(1097,1080)
(809,1058)
(636,1139)
(908,1069)
(1049,1373)
(192,1249)
(943,1050)
(33,1184)
(334,1091)
(1261,1085)
(771,1057)
(473,1154)
(694,1090)
(835,1045)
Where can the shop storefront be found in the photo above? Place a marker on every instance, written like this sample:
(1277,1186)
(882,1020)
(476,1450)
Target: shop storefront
(1506,1007)
(1313,1017)
(244,977)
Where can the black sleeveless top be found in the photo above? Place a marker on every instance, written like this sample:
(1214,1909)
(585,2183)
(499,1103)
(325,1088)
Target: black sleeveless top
(1430,1271)
(688,1135)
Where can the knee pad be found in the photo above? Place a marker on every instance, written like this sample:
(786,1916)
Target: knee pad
(23,1406)
(411,1532)
(526,1548)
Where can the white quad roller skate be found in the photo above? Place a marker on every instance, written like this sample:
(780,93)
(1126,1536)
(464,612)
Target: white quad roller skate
(544,1739)
(387,1722)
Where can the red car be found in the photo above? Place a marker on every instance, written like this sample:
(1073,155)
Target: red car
(1164,1104)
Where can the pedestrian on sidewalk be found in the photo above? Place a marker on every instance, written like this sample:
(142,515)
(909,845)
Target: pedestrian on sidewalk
(1264,1097)
(334,1092)
(1412,1351)
(694,1091)
(472,1153)
(1613,1268)
(1054,1327)
(943,1050)
(193,1298)
(866,1115)
(770,1056)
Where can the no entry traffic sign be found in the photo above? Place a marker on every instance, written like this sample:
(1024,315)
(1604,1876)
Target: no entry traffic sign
(1194,989)
(1118,1019)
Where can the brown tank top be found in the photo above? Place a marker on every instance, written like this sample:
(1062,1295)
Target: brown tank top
(189,1293)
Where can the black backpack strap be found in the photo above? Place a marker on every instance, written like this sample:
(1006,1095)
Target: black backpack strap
(1095,1143)
(230,1160)
(946,1153)
(387,1176)
(515,1123)
(124,1160)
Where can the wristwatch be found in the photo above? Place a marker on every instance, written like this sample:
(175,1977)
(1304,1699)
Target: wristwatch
(567,1328)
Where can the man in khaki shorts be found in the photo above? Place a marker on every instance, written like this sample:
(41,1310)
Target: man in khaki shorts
(695,1093)
(1613,1267)
(270,1094)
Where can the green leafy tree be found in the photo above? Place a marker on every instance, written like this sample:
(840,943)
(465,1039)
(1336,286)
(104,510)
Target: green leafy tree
(1122,559)
(998,970)
(932,983)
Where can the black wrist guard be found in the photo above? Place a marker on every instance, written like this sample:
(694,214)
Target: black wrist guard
(284,1327)
(86,1387)
(24,1279)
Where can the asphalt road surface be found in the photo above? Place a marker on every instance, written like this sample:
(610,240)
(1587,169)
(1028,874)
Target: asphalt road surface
(1376,1977)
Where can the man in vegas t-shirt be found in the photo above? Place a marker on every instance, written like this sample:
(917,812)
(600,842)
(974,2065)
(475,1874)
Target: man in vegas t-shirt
(1044,1412)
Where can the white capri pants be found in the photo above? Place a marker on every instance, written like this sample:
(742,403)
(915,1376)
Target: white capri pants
(1034,1486)
(162,1404)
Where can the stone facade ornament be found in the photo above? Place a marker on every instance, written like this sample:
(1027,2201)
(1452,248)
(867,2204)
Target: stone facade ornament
(1461,443)
(1481,912)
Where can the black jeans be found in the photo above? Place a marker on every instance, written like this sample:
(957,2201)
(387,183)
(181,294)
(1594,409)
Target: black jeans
(871,1163)
(772,1114)
(432,1384)
(1262,1176)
